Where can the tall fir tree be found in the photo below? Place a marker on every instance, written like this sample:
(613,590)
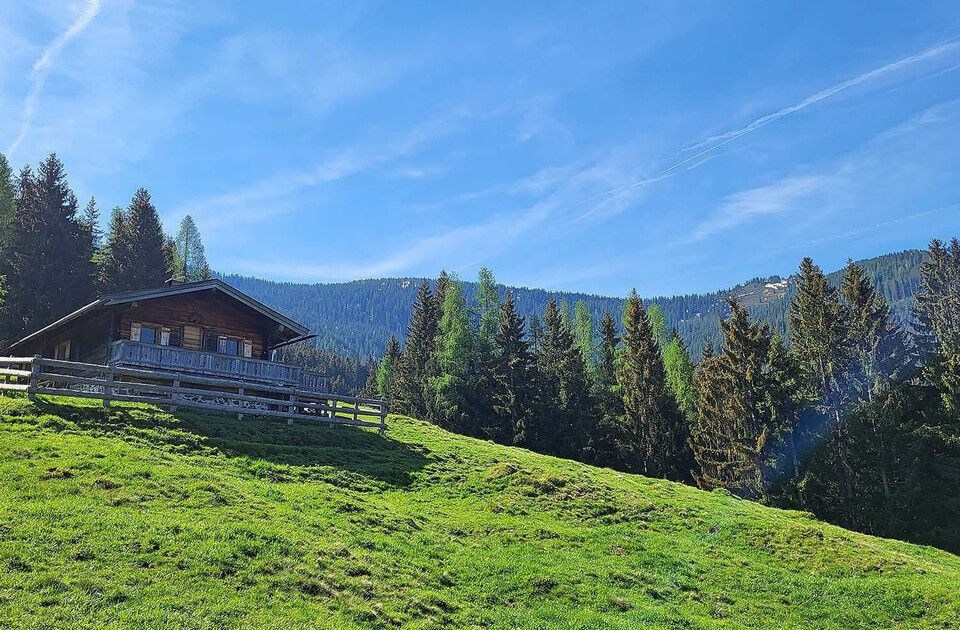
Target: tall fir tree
(738,425)
(563,415)
(603,444)
(8,205)
(513,377)
(412,370)
(821,341)
(190,259)
(48,264)
(658,325)
(137,254)
(655,431)
(583,333)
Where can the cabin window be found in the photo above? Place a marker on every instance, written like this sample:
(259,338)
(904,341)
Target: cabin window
(62,350)
(148,334)
(226,345)
(247,348)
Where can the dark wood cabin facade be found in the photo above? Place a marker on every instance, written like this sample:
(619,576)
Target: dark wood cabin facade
(207,328)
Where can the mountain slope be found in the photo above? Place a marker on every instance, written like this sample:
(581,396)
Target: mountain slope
(357,318)
(132,517)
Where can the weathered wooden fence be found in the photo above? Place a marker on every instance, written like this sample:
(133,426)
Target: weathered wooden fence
(37,375)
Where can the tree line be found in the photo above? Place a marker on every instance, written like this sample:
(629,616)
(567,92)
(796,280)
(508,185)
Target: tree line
(54,257)
(358,318)
(853,416)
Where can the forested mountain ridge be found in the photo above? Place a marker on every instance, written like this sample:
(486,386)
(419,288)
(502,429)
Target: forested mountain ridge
(357,318)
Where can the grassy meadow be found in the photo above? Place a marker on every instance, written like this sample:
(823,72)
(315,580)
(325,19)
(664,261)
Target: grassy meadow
(132,517)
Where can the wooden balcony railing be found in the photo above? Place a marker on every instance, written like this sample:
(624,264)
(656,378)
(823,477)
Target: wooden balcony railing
(172,359)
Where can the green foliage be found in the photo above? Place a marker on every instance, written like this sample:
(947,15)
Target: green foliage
(190,259)
(386,369)
(137,254)
(679,370)
(8,204)
(583,333)
(456,356)
(133,517)
(48,256)
(654,431)
(513,389)
(658,325)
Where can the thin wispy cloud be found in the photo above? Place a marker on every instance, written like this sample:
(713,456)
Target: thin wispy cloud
(41,68)
(747,205)
(715,142)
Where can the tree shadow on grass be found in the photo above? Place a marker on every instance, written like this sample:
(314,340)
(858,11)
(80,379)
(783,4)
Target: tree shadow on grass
(308,450)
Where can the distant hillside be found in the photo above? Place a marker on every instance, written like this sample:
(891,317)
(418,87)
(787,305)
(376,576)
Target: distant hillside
(357,318)
(132,517)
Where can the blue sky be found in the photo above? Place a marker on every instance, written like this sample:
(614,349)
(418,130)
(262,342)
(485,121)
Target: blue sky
(594,146)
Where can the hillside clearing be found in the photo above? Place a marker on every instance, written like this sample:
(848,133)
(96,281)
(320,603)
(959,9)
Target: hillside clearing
(133,517)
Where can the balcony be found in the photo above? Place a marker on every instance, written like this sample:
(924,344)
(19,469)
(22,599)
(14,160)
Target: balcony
(169,359)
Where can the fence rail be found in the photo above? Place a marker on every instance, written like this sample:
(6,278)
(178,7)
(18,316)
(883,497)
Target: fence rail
(37,375)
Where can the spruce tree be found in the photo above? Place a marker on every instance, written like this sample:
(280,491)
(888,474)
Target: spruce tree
(603,447)
(8,207)
(563,415)
(48,263)
(190,255)
(739,419)
(412,372)
(513,376)
(655,431)
(658,325)
(91,223)
(820,339)
(150,262)
(114,260)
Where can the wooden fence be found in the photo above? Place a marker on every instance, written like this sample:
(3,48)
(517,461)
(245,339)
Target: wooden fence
(37,375)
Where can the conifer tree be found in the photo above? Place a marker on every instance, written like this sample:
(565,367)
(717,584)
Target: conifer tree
(48,262)
(938,298)
(564,405)
(536,332)
(821,342)
(658,325)
(656,434)
(189,254)
(114,260)
(603,447)
(91,223)
(513,376)
(385,371)
(738,421)
(412,370)
(8,207)
(150,261)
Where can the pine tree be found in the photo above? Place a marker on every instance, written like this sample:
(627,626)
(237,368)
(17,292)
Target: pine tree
(603,447)
(513,376)
(564,406)
(536,332)
(656,434)
(658,325)
(938,297)
(8,207)
(190,255)
(821,341)
(412,370)
(48,262)
(91,223)
(739,419)
(114,260)
(150,262)
(385,371)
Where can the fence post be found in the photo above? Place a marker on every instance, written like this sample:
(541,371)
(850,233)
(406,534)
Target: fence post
(108,388)
(240,391)
(34,372)
(383,419)
(292,408)
(176,385)
(333,411)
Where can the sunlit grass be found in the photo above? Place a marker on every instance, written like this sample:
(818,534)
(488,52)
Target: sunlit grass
(134,517)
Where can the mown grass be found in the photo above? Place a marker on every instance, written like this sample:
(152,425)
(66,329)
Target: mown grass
(133,517)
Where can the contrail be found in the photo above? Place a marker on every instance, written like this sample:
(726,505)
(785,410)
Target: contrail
(41,67)
(715,142)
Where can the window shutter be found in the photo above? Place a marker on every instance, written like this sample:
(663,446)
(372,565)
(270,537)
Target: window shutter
(164,336)
(247,348)
(222,345)
(135,331)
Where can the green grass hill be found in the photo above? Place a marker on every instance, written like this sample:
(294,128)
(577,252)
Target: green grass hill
(132,517)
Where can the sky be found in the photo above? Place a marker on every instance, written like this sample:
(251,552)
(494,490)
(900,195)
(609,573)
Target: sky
(671,147)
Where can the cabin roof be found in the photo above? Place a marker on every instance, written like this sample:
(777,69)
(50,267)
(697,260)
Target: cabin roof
(213,284)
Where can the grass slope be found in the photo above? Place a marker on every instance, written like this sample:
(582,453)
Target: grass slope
(133,517)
